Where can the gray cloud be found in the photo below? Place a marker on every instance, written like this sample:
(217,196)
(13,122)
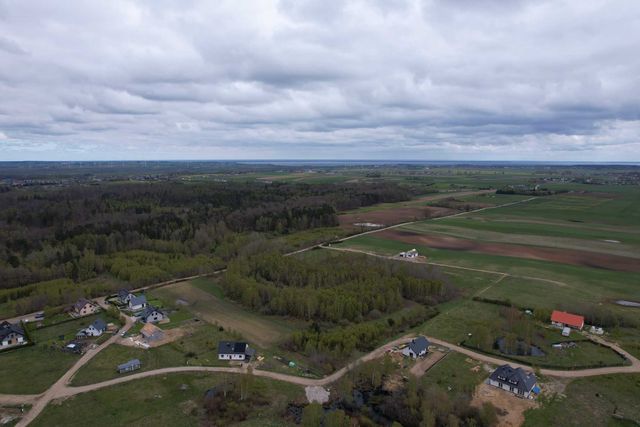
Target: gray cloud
(394,79)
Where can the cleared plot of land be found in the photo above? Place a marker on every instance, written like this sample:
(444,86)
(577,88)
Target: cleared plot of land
(390,216)
(396,213)
(456,373)
(594,401)
(511,408)
(566,256)
(159,401)
(263,331)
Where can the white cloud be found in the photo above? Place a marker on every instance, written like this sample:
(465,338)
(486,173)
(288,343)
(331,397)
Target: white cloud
(428,79)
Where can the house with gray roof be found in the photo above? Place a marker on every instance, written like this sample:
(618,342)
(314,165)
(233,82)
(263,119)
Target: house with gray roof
(95,329)
(11,335)
(124,296)
(137,302)
(233,350)
(131,365)
(152,314)
(517,381)
(418,347)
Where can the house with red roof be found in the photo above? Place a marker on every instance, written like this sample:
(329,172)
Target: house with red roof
(563,319)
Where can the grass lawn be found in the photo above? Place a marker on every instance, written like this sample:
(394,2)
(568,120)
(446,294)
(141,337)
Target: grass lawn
(160,401)
(31,370)
(43,363)
(454,374)
(204,301)
(199,348)
(460,318)
(591,402)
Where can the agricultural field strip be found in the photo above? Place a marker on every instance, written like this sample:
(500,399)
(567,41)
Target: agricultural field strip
(466,233)
(418,201)
(478,270)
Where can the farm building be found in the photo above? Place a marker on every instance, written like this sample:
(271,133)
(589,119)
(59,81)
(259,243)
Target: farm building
(151,332)
(131,365)
(95,329)
(418,347)
(230,350)
(562,319)
(84,307)
(137,302)
(516,381)
(413,253)
(124,296)
(151,315)
(11,335)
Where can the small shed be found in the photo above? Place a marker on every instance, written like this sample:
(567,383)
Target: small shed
(131,365)
(566,331)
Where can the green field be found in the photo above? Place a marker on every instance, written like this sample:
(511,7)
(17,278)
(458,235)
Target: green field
(455,375)
(42,363)
(197,348)
(591,402)
(162,401)
(206,301)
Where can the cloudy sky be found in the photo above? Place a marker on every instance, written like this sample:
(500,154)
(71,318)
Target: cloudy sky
(386,79)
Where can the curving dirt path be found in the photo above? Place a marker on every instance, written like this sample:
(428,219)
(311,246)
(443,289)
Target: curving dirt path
(61,389)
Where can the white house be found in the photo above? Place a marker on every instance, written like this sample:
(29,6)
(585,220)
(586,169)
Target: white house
(151,315)
(11,335)
(418,347)
(413,253)
(95,329)
(137,302)
(125,296)
(230,350)
(516,381)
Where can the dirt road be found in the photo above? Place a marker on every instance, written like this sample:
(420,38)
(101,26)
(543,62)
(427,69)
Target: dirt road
(61,389)
(58,388)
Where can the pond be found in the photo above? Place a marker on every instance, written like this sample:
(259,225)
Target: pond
(628,303)
(522,349)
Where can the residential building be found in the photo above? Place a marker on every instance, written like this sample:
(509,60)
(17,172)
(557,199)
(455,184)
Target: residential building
(151,332)
(562,319)
(137,302)
(230,350)
(84,307)
(413,253)
(131,365)
(418,347)
(124,296)
(11,335)
(516,381)
(151,315)
(95,329)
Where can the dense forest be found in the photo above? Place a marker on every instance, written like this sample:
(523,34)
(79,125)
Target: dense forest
(330,288)
(139,233)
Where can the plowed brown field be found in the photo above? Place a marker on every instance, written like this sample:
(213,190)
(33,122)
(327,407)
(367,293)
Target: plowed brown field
(565,256)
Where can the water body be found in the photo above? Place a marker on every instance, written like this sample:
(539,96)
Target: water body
(628,303)
(521,348)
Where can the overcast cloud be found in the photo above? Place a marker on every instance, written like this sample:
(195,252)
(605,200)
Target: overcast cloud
(387,79)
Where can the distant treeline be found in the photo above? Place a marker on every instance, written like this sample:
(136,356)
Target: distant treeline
(529,191)
(74,232)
